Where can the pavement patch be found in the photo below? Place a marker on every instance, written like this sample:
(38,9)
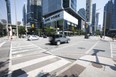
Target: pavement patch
(73,71)
(97,65)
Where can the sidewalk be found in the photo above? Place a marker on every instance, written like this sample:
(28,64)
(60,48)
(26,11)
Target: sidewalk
(90,66)
(113,46)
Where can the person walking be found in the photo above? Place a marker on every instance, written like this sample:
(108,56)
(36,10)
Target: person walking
(10,32)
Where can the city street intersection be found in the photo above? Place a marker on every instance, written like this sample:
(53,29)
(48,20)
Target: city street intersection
(93,57)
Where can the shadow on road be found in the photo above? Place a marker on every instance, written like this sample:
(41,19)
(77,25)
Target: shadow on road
(42,74)
(67,58)
(96,63)
(19,72)
(4,68)
(4,73)
(3,63)
(95,52)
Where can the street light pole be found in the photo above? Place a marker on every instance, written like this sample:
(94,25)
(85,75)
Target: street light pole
(16,18)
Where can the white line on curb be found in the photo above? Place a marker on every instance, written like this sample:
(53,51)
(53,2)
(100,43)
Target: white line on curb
(111,49)
(2,43)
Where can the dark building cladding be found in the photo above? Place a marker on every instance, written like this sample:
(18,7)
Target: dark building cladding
(24,15)
(94,18)
(82,13)
(114,15)
(8,11)
(34,12)
(107,22)
(59,5)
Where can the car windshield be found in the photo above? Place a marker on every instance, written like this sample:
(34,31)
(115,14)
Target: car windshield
(56,36)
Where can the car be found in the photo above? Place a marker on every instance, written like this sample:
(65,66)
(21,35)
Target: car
(58,39)
(32,37)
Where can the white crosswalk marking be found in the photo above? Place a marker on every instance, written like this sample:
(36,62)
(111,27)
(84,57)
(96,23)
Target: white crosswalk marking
(35,62)
(47,68)
(31,62)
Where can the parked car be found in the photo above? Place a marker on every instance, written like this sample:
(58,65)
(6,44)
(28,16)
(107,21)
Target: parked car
(32,37)
(58,39)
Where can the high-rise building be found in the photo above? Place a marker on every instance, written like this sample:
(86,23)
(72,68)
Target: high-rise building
(82,13)
(114,16)
(108,12)
(94,18)
(97,21)
(3,17)
(8,11)
(34,13)
(61,14)
(24,16)
(88,10)
(52,6)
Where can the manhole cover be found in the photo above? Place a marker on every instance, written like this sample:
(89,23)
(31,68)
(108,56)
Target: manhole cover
(97,65)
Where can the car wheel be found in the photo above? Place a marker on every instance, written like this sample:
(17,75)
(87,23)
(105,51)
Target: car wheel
(58,43)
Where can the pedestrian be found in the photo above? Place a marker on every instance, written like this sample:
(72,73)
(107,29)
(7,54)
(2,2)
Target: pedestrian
(10,32)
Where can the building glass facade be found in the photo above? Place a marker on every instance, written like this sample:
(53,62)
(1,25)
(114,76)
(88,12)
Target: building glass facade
(74,5)
(57,14)
(94,18)
(8,11)
(107,22)
(24,15)
(114,15)
(3,17)
(50,6)
(97,21)
(34,13)
(88,10)
(82,13)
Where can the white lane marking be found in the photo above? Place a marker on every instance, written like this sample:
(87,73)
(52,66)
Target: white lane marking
(91,47)
(22,46)
(10,61)
(2,43)
(31,62)
(21,55)
(48,68)
(21,51)
(111,50)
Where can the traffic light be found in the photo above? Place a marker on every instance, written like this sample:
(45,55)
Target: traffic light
(33,26)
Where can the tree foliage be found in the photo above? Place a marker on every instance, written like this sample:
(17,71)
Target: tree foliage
(21,30)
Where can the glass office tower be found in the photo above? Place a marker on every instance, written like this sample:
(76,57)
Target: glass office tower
(34,13)
(114,15)
(88,10)
(51,6)
(94,18)
(3,16)
(8,11)
(60,14)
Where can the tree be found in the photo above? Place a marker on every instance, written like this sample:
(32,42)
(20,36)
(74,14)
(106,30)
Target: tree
(21,30)
(50,30)
(4,21)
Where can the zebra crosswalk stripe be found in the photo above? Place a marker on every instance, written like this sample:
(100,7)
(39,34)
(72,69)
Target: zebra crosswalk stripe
(48,68)
(31,62)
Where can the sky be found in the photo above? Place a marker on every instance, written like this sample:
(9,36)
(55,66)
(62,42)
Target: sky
(80,4)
